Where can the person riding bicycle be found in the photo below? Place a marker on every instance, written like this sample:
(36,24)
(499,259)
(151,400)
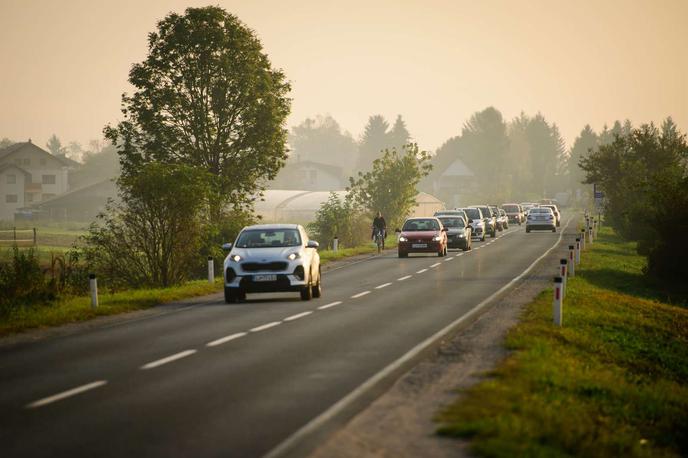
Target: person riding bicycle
(379,224)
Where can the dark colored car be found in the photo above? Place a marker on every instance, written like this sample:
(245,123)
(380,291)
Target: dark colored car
(422,235)
(514,212)
(458,232)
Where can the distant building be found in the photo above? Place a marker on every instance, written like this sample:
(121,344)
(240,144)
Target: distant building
(309,176)
(455,183)
(29,174)
(81,204)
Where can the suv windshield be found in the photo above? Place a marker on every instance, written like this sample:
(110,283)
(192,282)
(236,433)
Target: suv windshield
(473,213)
(486,212)
(268,238)
(413,225)
(510,208)
(453,222)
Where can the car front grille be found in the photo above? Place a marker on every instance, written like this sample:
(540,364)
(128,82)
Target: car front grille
(275,266)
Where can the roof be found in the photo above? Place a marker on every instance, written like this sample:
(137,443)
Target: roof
(457,169)
(333,169)
(14,166)
(4,152)
(272,226)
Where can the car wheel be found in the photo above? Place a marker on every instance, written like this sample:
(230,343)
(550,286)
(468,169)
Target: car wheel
(307,293)
(230,295)
(317,289)
(554,229)
(527,230)
(494,233)
(483,238)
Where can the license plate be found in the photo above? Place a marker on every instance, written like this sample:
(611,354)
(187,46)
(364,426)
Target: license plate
(419,245)
(265,278)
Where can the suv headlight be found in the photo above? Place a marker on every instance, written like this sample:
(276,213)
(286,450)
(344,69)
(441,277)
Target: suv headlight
(403,239)
(293,256)
(235,258)
(436,238)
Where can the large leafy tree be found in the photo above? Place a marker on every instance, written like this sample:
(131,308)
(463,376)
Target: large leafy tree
(374,141)
(390,187)
(321,139)
(206,96)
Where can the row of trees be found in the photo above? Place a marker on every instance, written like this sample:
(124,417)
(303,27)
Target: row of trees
(321,139)
(643,173)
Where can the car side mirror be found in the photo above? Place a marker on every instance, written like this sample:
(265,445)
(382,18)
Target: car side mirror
(312,244)
(397,230)
(444,229)
(226,246)
(470,221)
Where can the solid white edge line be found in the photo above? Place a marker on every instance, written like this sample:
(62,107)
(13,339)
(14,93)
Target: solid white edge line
(421,271)
(404,278)
(331,304)
(356,296)
(225,339)
(372,381)
(66,394)
(265,326)
(384,285)
(168,359)
(298,315)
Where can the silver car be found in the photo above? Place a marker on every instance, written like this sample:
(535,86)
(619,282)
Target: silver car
(541,218)
(269,258)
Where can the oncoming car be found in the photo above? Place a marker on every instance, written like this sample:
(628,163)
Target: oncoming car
(541,218)
(422,235)
(269,258)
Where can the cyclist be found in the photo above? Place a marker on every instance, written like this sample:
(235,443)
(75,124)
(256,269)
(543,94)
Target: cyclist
(379,224)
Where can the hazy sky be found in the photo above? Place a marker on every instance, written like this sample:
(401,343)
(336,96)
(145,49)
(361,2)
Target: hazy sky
(64,63)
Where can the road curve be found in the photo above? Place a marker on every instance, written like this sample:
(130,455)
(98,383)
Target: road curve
(239,380)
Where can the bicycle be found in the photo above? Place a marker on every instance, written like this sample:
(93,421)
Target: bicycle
(379,240)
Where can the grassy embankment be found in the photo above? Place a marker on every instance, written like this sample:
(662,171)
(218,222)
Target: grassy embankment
(75,309)
(613,381)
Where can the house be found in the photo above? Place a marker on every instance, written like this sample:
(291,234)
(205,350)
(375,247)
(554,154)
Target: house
(29,174)
(309,176)
(455,183)
(82,204)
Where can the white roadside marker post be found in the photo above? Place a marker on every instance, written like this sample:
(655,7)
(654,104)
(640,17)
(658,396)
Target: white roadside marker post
(590,234)
(563,272)
(93,286)
(211,270)
(335,244)
(572,261)
(557,303)
(578,249)
(582,239)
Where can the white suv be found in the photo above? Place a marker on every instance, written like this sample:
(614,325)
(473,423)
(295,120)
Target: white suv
(270,258)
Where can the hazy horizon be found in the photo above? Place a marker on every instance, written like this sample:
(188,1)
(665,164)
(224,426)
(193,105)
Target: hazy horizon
(435,63)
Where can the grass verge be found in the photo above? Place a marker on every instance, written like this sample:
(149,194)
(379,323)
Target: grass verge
(613,381)
(77,309)
(370,248)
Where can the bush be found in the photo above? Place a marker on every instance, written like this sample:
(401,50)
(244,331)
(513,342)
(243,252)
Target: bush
(342,219)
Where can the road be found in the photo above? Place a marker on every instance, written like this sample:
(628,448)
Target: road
(238,380)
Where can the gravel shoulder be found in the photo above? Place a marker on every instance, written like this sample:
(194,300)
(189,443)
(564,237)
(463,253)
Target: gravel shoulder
(400,422)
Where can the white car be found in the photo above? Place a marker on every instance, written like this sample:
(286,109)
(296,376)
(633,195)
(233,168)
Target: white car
(541,218)
(476,220)
(269,258)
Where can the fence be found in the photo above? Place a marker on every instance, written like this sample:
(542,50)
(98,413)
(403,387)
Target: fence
(19,237)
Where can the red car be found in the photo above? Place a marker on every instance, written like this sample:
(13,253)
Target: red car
(422,235)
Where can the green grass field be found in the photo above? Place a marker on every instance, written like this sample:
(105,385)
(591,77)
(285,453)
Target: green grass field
(613,381)
(77,309)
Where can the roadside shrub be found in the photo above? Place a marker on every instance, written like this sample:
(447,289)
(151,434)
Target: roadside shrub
(153,237)
(342,219)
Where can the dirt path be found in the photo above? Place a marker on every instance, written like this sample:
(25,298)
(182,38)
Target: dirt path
(400,422)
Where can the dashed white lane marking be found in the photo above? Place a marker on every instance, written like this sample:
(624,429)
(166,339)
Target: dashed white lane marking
(66,394)
(225,339)
(478,247)
(298,315)
(384,285)
(356,296)
(435,264)
(404,278)
(169,359)
(327,306)
(266,326)
(448,259)
(421,271)
(460,254)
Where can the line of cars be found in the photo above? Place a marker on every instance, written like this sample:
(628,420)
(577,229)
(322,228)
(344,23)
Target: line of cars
(282,258)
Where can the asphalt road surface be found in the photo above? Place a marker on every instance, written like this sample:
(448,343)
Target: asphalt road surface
(238,380)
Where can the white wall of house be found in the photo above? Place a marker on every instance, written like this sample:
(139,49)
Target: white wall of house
(12,182)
